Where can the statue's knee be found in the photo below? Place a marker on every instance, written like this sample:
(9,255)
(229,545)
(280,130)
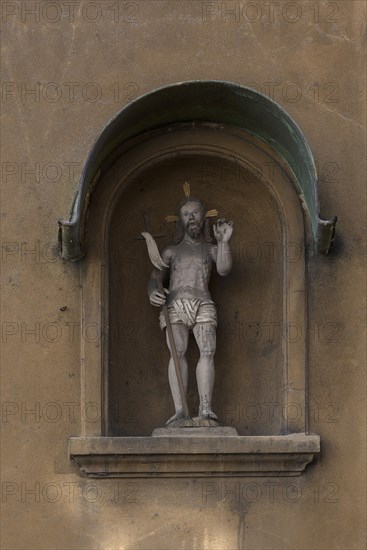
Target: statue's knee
(181,353)
(207,354)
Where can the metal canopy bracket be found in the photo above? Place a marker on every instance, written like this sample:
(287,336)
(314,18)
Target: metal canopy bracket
(208,101)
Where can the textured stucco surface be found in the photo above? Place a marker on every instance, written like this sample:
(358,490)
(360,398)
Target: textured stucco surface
(314,68)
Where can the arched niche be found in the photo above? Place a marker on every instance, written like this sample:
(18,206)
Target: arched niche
(262,382)
(254,303)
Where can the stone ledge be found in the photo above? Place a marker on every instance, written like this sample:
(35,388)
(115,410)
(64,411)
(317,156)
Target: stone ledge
(187,456)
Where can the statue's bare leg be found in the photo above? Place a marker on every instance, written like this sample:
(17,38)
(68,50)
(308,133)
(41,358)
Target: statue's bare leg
(181,337)
(205,335)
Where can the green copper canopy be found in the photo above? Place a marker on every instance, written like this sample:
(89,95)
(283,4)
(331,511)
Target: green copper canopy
(199,101)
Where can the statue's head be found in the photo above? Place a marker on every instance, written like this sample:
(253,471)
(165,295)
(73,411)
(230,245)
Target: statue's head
(191,213)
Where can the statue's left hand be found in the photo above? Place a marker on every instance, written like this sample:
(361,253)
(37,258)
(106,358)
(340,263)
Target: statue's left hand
(223,230)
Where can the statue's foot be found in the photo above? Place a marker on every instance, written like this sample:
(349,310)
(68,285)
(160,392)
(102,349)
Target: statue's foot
(207,413)
(179,415)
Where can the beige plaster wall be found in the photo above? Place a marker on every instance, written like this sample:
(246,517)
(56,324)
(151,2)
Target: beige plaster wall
(310,57)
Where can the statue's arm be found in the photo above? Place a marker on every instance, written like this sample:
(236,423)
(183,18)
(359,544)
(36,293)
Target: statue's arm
(221,252)
(156,297)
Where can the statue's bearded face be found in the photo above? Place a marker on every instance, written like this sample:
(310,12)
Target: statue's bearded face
(192,218)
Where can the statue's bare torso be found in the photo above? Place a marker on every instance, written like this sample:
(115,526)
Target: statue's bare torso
(190,268)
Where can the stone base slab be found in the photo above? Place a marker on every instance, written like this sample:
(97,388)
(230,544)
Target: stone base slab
(198,456)
(195,431)
(195,422)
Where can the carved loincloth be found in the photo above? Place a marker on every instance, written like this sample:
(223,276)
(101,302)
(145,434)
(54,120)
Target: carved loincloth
(189,313)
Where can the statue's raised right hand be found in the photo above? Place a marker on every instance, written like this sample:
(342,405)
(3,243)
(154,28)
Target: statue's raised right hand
(157,298)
